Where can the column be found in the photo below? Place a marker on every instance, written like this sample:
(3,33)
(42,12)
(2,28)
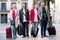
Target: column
(19,4)
(8,5)
(30,4)
(57,10)
(0,5)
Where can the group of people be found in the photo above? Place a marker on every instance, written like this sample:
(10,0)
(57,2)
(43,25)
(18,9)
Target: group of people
(35,16)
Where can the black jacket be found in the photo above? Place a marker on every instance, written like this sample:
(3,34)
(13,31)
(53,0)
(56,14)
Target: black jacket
(21,15)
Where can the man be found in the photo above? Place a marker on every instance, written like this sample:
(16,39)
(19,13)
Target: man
(24,19)
(43,15)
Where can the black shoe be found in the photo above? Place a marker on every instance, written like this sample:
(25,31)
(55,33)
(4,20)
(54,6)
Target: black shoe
(27,35)
(45,36)
(42,36)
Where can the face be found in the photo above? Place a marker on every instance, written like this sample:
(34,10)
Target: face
(23,5)
(42,3)
(14,6)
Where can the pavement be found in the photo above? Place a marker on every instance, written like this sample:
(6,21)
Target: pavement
(57,37)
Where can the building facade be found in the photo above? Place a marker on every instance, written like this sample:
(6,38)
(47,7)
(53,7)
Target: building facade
(6,6)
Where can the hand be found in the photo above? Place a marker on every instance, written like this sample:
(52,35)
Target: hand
(8,18)
(30,22)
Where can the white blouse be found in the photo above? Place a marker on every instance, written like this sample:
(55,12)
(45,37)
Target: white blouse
(36,17)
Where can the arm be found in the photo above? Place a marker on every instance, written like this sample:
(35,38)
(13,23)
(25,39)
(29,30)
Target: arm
(28,15)
(39,13)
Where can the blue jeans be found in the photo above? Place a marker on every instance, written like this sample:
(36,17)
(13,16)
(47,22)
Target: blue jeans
(34,27)
(14,28)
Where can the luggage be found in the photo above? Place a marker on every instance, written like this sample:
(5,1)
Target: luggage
(20,29)
(8,33)
(52,30)
(33,33)
(12,22)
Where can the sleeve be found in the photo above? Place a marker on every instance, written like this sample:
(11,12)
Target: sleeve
(28,14)
(39,13)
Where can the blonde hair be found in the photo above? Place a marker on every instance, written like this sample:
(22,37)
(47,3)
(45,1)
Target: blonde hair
(36,6)
(14,6)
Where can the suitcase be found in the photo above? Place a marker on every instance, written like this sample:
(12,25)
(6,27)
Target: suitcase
(33,33)
(8,33)
(52,30)
(20,29)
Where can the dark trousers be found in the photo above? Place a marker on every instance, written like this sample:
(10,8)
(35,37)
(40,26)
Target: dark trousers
(25,29)
(43,27)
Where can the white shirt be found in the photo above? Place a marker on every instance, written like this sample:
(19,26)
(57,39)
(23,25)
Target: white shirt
(24,17)
(36,17)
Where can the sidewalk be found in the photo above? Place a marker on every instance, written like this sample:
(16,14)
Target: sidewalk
(57,37)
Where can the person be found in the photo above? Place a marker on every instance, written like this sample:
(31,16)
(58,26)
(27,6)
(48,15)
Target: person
(44,18)
(24,19)
(34,19)
(13,17)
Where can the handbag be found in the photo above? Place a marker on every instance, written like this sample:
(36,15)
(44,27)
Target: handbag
(20,29)
(12,22)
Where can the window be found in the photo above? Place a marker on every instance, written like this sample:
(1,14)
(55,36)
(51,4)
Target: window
(3,0)
(3,18)
(3,6)
(0,6)
(24,0)
(12,4)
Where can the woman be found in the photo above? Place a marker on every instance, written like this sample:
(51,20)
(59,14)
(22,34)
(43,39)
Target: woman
(34,19)
(12,18)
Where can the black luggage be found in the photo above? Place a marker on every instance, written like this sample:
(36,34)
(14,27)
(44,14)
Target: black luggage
(33,33)
(20,29)
(12,22)
(52,30)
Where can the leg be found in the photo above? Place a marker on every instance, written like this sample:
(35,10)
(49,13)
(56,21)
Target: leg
(14,28)
(35,25)
(42,27)
(23,29)
(45,25)
(27,29)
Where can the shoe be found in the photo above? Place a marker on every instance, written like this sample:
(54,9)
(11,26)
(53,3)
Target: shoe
(42,36)
(23,36)
(45,36)
(15,37)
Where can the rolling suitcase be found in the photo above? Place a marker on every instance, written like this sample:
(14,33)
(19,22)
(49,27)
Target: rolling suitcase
(8,33)
(52,30)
